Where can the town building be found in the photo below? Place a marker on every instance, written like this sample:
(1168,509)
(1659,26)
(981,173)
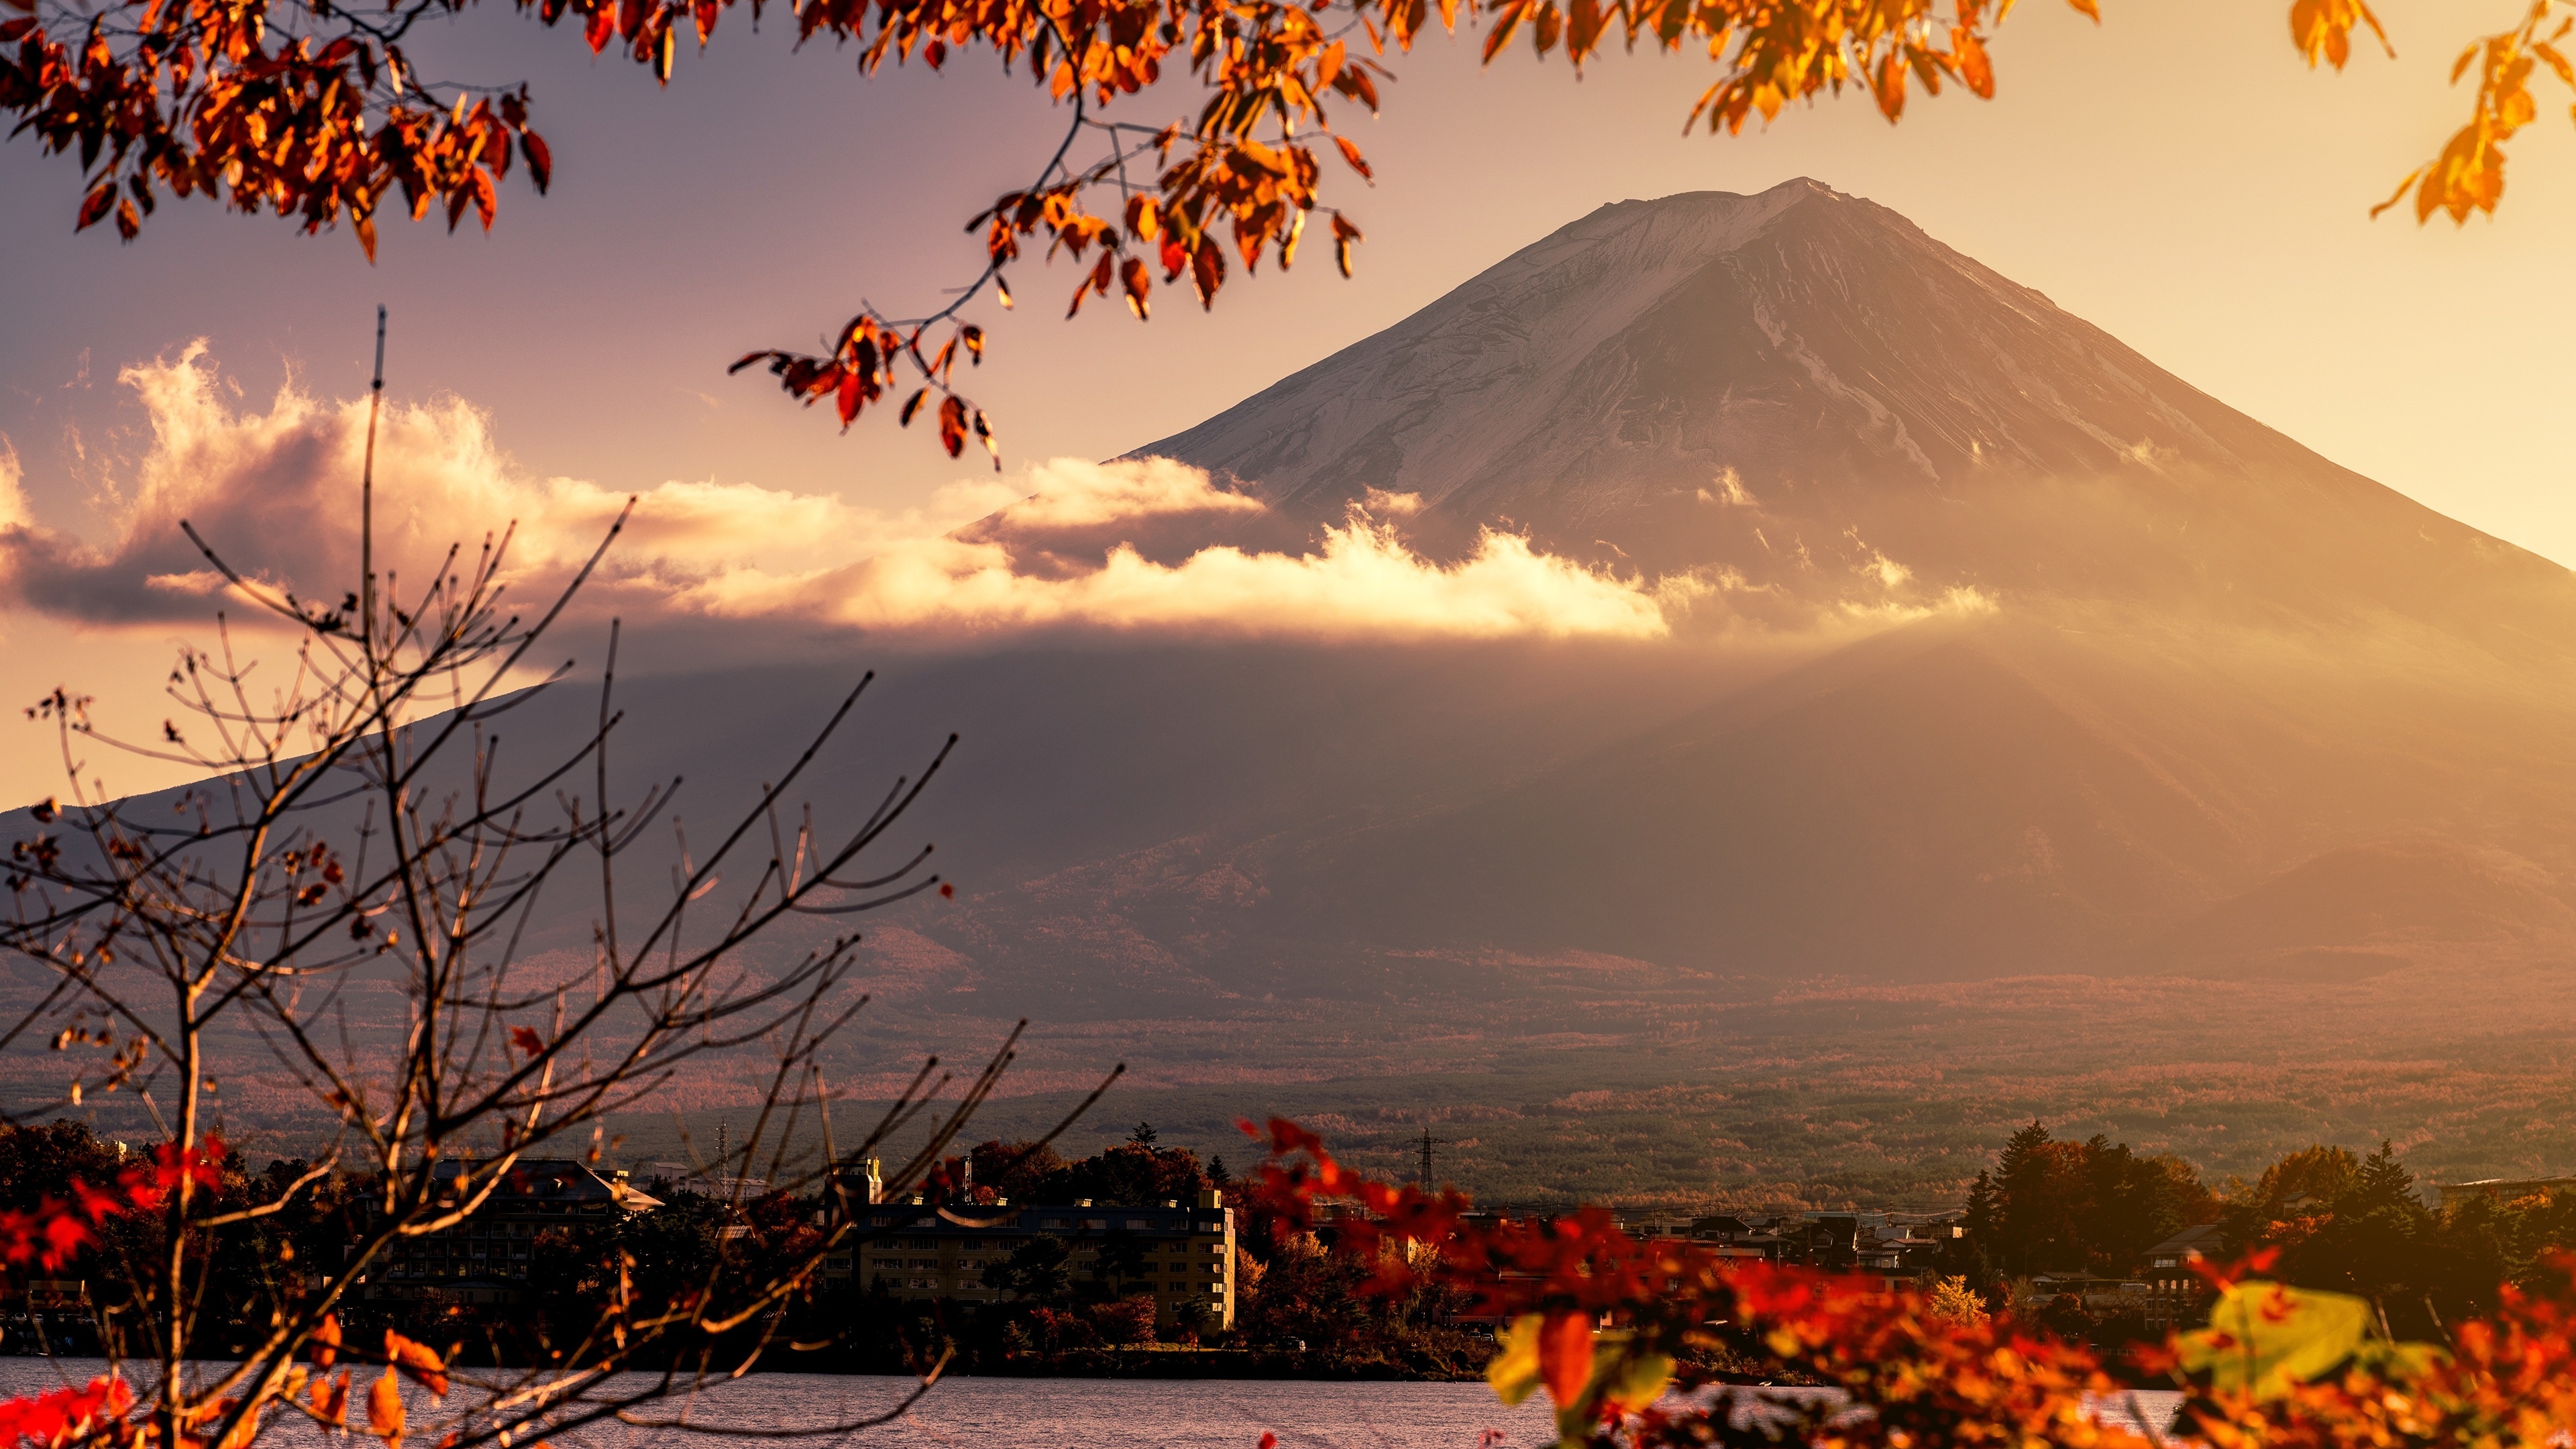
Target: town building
(2175,1296)
(485,1258)
(1182,1256)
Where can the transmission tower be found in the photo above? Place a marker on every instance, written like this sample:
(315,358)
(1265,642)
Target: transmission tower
(1427,1142)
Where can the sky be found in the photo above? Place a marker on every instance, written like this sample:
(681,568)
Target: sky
(2175,175)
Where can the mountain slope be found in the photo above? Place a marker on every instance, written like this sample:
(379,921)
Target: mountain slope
(2051,739)
(1802,387)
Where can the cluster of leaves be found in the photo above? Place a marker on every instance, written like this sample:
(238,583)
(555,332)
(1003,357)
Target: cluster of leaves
(102,1412)
(2468,175)
(861,367)
(2280,1365)
(68,1219)
(315,1394)
(57,1229)
(233,100)
(1608,1324)
(65,1415)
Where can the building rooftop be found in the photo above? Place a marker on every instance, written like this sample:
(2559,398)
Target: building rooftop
(2201,1238)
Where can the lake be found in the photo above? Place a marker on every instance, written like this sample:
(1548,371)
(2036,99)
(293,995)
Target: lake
(1060,1413)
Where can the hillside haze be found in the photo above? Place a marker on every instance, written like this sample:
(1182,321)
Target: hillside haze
(2187,662)
(2043,737)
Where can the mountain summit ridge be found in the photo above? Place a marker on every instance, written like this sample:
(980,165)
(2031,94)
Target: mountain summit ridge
(1577,306)
(1797,385)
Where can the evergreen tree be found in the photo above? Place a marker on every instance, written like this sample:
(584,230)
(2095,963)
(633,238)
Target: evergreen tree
(2019,1149)
(1984,1216)
(1974,1256)
(2024,1201)
(2383,1182)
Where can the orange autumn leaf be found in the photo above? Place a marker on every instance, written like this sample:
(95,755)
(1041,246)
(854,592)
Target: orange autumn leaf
(2322,29)
(243,1432)
(1565,1355)
(418,1360)
(326,1341)
(385,1407)
(330,1399)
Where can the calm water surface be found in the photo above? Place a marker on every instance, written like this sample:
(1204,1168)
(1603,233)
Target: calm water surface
(1061,1413)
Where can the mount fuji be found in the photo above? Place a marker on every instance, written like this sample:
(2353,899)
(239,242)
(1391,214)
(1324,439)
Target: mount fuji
(2046,737)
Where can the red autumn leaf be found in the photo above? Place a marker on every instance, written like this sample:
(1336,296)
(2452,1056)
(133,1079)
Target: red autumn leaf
(852,381)
(526,1040)
(95,205)
(952,425)
(1138,284)
(64,1234)
(95,1203)
(1207,273)
(541,161)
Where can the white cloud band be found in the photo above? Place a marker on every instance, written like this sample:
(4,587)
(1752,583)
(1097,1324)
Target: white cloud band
(274,491)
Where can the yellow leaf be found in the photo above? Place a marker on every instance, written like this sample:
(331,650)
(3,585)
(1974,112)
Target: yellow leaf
(1514,1372)
(2267,1338)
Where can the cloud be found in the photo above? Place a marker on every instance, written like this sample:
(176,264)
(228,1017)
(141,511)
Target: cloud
(1362,580)
(1131,546)
(13,495)
(276,493)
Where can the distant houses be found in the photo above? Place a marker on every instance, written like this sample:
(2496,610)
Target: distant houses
(1898,1246)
